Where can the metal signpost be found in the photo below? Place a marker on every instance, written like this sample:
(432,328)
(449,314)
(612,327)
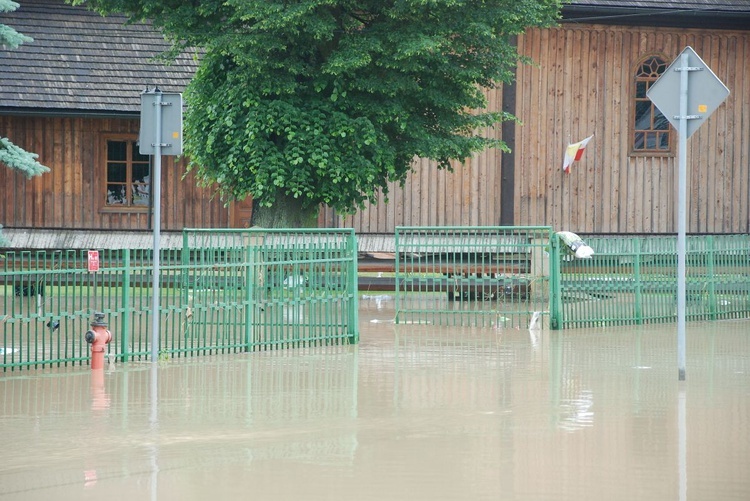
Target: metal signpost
(160,134)
(687,93)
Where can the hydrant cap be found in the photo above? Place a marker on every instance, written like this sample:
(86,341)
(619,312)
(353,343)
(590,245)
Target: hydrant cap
(98,320)
(90,337)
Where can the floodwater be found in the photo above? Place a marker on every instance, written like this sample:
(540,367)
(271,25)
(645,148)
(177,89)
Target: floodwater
(414,412)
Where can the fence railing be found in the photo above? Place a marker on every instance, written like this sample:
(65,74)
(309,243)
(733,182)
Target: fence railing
(481,276)
(633,280)
(507,276)
(224,291)
(252,289)
(302,283)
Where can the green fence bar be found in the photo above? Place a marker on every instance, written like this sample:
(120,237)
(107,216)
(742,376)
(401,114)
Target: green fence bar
(124,333)
(555,296)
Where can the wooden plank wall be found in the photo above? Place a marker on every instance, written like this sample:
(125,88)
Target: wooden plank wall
(470,195)
(583,84)
(71,195)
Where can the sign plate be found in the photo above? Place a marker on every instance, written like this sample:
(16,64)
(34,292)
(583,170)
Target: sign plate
(93,260)
(171,124)
(705,92)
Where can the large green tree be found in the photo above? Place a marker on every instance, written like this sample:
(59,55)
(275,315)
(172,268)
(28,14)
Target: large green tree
(302,102)
(10,154)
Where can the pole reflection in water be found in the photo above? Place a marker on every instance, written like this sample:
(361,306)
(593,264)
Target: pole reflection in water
(154,429)
(682,433)
(414,412)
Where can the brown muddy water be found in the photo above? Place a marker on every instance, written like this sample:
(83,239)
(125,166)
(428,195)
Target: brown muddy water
(414,412)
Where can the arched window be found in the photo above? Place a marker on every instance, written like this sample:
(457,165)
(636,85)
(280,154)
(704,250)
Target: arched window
(650,127)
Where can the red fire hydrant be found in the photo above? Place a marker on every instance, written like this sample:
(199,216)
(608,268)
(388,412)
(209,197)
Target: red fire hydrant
(98,337)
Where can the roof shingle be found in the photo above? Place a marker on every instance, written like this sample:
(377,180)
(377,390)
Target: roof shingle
(80,61)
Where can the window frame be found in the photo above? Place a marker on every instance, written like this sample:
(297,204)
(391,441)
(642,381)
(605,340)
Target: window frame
(102,171)
(635,100)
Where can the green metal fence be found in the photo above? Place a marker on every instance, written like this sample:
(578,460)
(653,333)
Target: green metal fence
(224,291)
(633,280)
(474,276)
(302,283)
(252,289)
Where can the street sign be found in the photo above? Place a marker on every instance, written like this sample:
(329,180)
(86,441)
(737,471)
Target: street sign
(93,261)
(171,124)
(705,92)
(161,134)
(686,93)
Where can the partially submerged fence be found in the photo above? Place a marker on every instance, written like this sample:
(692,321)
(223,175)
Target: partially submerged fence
(302,283)
(633,280)
(510,276)
(242,290)
(224,291)
(481,276)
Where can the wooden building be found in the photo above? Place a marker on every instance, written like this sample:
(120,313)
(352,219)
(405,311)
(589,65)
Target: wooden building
(590,77)
(73,97)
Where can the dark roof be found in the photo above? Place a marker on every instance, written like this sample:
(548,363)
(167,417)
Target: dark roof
(719,5)
(707,14)
(81,62)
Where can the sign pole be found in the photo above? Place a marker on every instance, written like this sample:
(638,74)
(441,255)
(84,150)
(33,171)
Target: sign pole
(161,119)
(155,320)
(682,215)
(686,95)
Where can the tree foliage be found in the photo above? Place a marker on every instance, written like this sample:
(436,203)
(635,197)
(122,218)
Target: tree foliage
(9,37)
(326,101)
(20,159)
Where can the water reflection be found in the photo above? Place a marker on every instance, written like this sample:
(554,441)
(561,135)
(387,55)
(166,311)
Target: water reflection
(413,412)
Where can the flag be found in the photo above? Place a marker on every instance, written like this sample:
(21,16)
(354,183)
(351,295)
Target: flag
(574,152)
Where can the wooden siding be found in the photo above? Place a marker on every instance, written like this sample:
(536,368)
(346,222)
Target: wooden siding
(583,84)
(470,195)
(72,194)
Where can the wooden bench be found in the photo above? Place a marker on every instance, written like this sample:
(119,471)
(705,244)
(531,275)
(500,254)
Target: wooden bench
(463,276)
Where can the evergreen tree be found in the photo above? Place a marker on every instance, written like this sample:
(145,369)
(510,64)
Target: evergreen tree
(10,154)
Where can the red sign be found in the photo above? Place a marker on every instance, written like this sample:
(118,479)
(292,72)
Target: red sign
(93,260)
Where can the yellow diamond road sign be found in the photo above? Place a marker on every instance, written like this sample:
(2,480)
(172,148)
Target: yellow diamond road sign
(705,92)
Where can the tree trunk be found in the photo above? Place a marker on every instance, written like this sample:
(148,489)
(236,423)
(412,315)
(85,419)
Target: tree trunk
(286,212)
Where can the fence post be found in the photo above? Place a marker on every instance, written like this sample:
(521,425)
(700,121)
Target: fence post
(711,271)
(185,261)
(555,300)
(353,288)
(397,278)
(540,264)
(249,295)
(638,281)
(126,310)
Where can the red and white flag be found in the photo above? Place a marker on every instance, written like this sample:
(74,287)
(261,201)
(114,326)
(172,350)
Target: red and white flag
(574,152)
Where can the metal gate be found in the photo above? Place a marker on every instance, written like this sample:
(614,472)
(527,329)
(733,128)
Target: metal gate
(301,283)
(475,276)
